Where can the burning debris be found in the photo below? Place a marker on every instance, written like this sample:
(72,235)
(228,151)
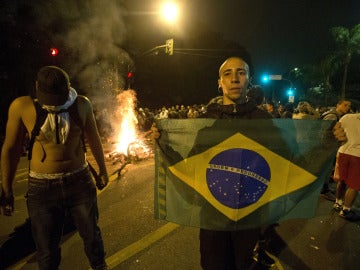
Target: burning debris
(136,151)
(128,145)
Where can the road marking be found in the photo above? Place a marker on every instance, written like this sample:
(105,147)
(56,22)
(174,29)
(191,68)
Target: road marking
(277,262)
(127,252)
(124,254)
(21,197)
(139,245)
(23,262)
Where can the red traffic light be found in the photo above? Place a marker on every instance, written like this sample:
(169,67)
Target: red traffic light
(129,75)
(54,52)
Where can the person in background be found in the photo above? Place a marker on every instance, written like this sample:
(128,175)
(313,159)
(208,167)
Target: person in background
(347,168)
(288,110)
(256,94)
(322,109)
(192,112)
(270,107)
(343,106)
(164,113)
(281,109)
(305,111)
(59,181)
(183,112)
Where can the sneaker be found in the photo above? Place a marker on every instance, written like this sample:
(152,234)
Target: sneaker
(337,207)
(329,195)
(349,215)
(261,257)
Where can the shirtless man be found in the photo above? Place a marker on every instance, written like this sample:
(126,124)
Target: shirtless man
(59,180)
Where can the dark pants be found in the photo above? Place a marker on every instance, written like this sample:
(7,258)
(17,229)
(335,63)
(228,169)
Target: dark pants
(48,200)
(227,250)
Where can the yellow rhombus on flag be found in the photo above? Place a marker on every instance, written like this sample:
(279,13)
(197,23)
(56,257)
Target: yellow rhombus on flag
(284,177)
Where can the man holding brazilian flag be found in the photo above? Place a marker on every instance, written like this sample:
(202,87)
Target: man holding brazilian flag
(232,176)
(241,173)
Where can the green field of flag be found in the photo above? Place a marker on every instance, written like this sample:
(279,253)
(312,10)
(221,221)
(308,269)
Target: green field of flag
(235,174)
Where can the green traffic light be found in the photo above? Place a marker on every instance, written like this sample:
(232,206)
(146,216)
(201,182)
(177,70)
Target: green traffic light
(290,92)
(265,78)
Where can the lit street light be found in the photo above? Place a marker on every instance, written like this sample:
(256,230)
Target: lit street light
(170,12)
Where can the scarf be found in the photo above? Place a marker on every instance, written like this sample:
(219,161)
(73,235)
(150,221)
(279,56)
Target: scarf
(57,123)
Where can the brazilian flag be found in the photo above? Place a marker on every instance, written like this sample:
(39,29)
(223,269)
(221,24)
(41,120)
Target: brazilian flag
(231,174)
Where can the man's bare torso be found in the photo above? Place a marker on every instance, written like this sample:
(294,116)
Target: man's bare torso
(47,156)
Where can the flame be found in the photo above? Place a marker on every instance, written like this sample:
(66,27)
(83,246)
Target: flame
(126,131)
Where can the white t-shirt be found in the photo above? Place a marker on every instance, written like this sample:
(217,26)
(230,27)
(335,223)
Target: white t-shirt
(351,125)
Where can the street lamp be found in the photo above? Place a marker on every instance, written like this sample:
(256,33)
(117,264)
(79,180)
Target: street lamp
(170,12)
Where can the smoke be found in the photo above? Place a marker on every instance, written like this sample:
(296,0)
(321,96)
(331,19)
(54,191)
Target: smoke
(91,36)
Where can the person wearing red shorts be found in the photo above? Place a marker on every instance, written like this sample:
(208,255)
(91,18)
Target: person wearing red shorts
(347,168)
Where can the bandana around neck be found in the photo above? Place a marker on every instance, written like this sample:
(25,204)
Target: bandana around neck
(57,124)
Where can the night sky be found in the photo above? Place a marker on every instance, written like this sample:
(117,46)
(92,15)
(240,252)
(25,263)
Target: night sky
(99,35)
(279,34)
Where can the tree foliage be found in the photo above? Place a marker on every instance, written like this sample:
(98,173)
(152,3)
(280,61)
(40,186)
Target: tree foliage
(348,43)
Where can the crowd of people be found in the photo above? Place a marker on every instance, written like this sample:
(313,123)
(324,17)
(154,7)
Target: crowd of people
(301,110)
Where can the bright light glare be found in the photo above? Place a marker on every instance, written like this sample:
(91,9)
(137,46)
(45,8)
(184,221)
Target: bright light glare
(170,12)
(54,52)
(265,78)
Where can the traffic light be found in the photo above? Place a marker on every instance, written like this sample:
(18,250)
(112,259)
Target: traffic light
(129,79)
(54,52)
(290,92)
(265,78)
(169,49)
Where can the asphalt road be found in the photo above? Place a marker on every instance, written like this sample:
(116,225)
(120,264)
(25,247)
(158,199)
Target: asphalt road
(134,240)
